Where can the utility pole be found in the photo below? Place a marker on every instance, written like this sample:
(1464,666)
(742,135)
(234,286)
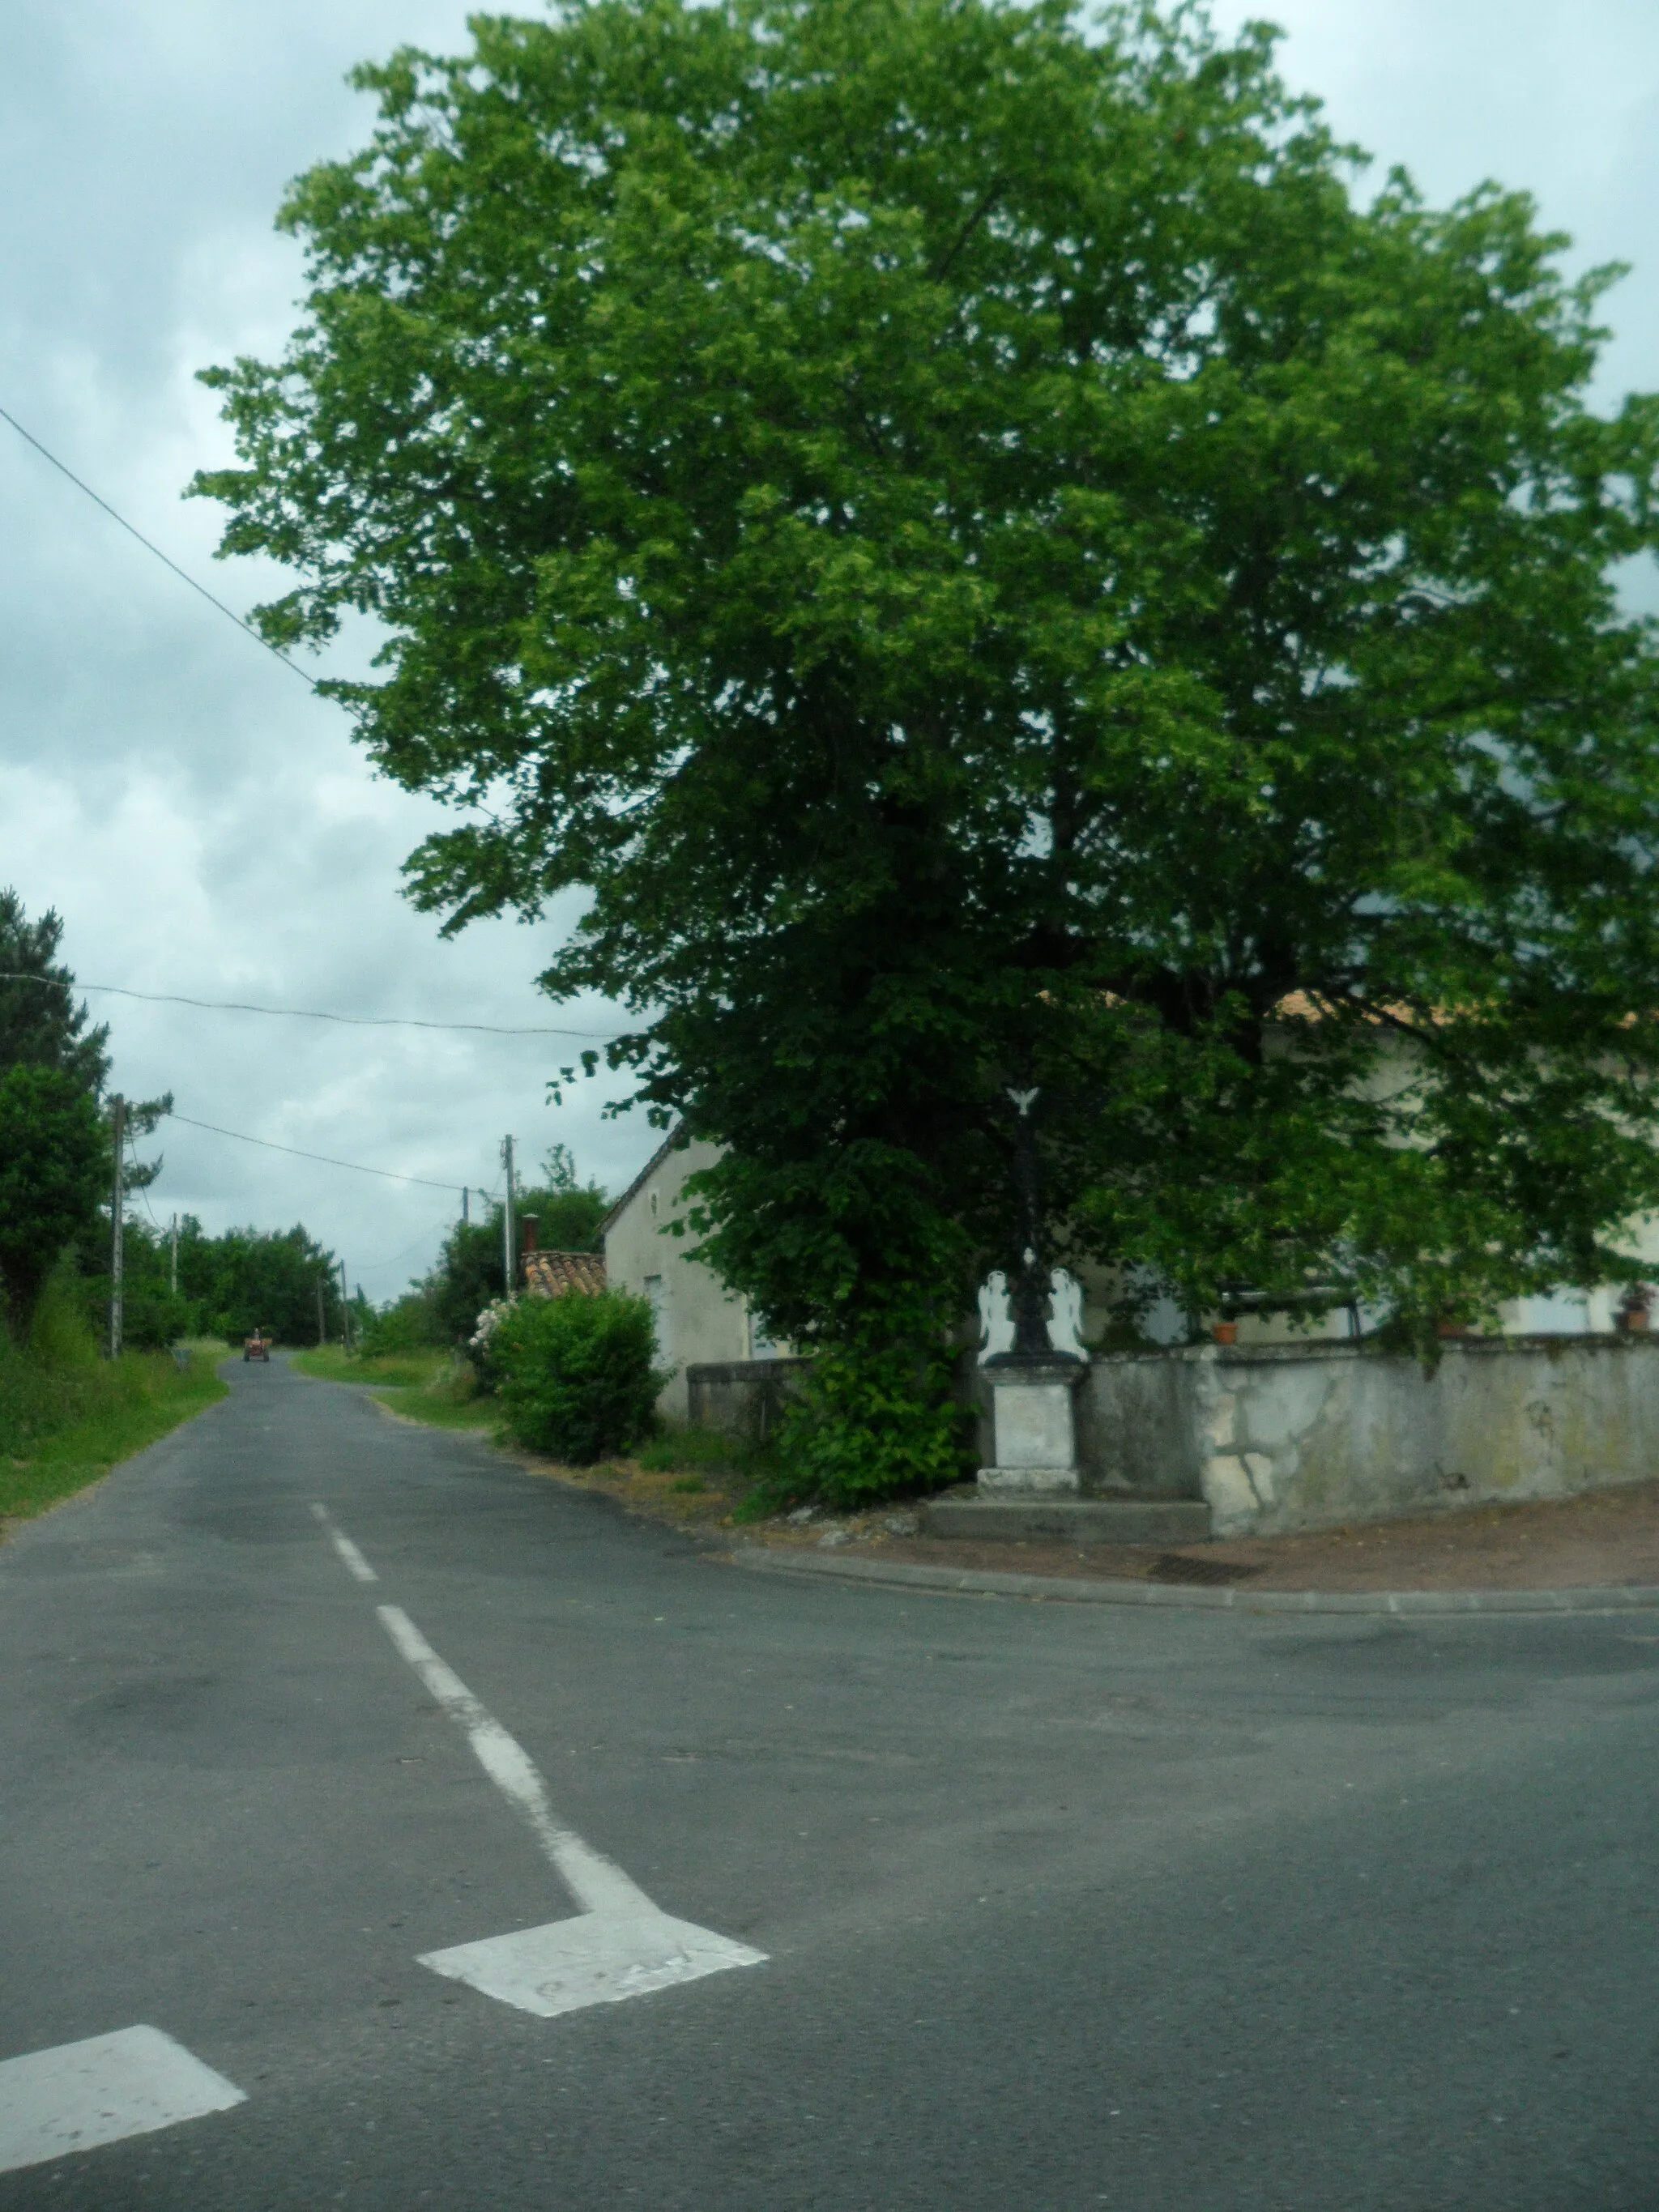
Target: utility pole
(509,1250)
(117,1219)
(173,1260)
(322,1324)
(345,1310)
(466,1201)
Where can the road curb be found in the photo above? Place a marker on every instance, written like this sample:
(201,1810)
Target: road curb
(1631,1598)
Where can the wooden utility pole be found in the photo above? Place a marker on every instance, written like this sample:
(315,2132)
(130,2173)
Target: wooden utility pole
(117,1221)
(173,1260)
(345,1310)
(509,1248)
(322,1325)
(466,1199)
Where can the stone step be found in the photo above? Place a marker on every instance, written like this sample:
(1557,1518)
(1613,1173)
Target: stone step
(1161,1521)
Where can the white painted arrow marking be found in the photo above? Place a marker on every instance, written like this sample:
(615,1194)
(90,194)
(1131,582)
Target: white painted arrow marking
(78,2095)
(622,1946)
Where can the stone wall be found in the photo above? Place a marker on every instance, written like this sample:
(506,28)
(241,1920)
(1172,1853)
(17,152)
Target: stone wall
(744,1397)
(1277,1437)
(1310,1437)
(1137,1425)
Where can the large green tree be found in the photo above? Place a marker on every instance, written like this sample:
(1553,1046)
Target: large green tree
(40,1024)
(54,1168)
(991,560)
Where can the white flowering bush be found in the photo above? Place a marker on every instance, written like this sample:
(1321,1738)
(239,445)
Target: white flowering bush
(481,1343)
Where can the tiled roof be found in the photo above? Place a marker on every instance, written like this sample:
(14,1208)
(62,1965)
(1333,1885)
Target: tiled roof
(553,1274)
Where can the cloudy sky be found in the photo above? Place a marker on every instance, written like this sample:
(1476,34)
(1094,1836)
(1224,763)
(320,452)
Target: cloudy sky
(203,823)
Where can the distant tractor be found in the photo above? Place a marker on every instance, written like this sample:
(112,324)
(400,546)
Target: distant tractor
(257,1347)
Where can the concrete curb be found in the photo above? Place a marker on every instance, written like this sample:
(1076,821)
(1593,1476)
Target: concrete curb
(1233,1598)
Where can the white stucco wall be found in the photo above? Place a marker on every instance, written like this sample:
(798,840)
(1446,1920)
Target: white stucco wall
(698,1318)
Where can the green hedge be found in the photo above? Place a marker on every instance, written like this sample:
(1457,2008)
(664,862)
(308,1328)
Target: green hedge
(575,1375)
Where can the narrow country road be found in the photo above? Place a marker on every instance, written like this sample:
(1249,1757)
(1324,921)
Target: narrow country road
(895,1903)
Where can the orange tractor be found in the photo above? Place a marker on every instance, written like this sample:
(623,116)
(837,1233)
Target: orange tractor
(257,1347)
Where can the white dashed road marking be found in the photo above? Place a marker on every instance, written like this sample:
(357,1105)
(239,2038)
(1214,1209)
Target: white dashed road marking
(78,2095)
(621,1945)
(356,1564)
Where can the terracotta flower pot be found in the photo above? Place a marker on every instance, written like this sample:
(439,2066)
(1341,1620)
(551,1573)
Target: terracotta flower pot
(1449,1328)
(1224,1332)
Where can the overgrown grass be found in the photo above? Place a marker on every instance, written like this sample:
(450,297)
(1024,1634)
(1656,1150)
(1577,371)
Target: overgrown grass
(749,1477)
(677,1450)
(67,1415)
(327,1363)
(433,1386)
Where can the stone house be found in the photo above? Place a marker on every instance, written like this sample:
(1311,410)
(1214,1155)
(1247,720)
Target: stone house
(699,1323)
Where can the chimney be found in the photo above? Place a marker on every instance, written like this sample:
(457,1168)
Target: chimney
(527,1234)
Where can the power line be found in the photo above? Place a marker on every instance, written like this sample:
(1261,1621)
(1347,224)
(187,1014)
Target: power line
(183,575)
(356,1166)
(301,1013)
(379,1267)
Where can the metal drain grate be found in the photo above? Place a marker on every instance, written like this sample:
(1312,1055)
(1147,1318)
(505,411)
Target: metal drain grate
(1179,1567)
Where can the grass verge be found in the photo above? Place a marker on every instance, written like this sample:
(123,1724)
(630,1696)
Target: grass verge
(686,1478)
(431,1387)
(64,1423)
(681,1478)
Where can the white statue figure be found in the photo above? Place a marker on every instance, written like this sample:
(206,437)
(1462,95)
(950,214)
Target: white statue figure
(1066,1314)
(996,1319)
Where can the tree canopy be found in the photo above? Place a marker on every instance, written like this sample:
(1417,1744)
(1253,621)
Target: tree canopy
(991,559)
(54,1165)
(40,1025)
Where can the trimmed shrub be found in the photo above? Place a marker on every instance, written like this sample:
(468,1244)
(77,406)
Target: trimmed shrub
(873,1420)
(575,1375)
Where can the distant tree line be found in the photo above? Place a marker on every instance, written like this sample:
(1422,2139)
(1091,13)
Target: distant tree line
(57,1170)
(228,1285)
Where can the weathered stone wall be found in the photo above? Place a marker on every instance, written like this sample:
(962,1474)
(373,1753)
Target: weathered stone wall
(1277,1437)
(1310,1436)
(744,1397)
(1137,1425)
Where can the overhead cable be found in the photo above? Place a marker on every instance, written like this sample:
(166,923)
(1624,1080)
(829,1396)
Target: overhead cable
(357,1167)
(306,1013)
(148,545)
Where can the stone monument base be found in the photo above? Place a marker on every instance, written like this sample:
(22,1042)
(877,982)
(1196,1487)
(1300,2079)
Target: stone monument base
(1028,1481)
(1033,1425)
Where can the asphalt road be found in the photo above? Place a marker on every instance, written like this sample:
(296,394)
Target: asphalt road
(1061,1907)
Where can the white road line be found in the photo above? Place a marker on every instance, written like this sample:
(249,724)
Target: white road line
(621,1946)
(594,1882)
(78,2095)
(356,1562)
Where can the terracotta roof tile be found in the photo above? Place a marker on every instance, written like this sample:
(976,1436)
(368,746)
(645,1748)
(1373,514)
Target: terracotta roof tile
(554,1274)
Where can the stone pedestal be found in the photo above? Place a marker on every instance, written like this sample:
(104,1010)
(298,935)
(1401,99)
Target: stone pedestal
(1033,1423)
